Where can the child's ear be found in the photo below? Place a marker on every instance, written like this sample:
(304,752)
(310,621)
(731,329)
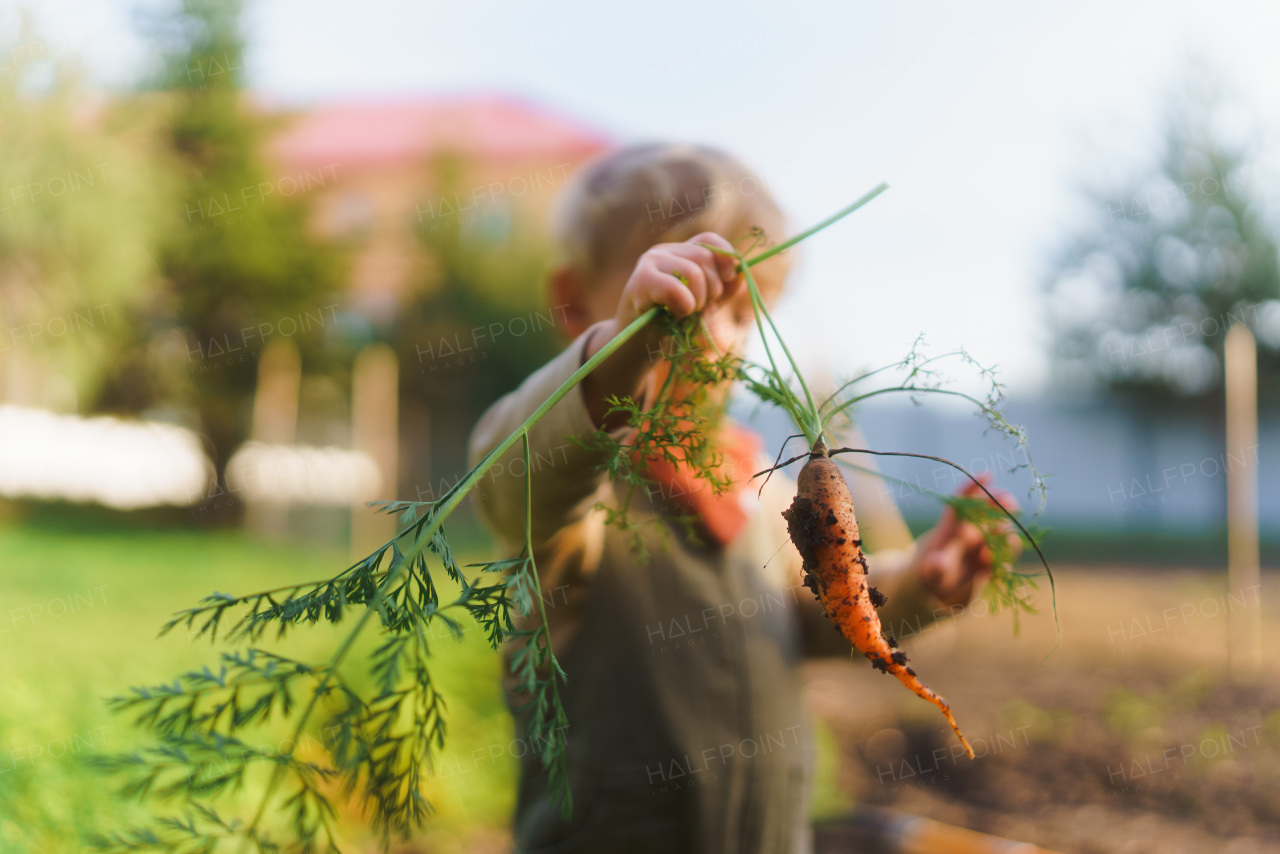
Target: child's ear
(570,299)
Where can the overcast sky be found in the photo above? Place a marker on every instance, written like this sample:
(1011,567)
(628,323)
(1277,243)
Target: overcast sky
(982,116)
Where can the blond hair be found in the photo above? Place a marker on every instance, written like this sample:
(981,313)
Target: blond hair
(623,202)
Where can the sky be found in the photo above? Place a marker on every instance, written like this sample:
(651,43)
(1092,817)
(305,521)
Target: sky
(984,117)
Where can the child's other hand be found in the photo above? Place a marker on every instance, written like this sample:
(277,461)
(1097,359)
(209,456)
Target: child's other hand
(682,277)
(954,556)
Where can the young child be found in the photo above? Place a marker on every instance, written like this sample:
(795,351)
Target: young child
(686,727)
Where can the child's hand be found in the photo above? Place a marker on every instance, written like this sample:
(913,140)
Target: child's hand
(954,556)
(683,277)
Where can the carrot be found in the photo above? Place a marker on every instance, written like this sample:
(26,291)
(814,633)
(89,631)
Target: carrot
(824,529)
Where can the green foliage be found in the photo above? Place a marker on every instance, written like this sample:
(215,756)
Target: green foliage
(235,254)
(678,428)
(1142,294)
(1127,714)
(119,584)
(1005,589)
(477,315)
(383,738)
(920,377)
(83,192)
(115,585)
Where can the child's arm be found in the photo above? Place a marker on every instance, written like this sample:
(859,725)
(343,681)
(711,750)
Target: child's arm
(565,477)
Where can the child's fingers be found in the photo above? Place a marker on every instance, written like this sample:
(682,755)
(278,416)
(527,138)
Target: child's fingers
(685,277)
(1003,496)
(1007,500)
(971,488)
(948,523)
(723,267)
(674,282)
(726,264)
(1015,543)
(705,259)
(971,536)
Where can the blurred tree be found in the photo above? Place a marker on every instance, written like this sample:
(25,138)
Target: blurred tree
(239,260)
(1141,297)
(83,191)
(481,323)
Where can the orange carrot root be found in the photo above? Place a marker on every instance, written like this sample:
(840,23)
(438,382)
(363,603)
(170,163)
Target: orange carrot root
(825,531)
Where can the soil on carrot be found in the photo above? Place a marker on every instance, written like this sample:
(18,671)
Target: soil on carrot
(1131,738)
(802,525)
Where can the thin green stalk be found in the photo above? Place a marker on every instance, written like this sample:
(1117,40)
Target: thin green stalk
(922,390)
(339,655)
(807,417)
(566,808)
(831,397)
(812,412)
(462,487)
(917,488)
(806,421)
(528,542)
(834,218)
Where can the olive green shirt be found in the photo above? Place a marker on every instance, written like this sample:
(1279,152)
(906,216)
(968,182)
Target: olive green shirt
(687,731)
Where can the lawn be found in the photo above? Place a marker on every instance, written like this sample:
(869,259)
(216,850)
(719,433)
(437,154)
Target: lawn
(79,623)
(83,605)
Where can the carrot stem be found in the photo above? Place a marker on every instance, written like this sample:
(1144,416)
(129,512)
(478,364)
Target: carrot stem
(806,414)
(834,218)
(813,424)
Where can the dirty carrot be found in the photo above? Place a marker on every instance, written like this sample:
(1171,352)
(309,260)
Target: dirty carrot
(823,527)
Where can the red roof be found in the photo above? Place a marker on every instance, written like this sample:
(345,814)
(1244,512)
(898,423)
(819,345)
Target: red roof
(389,132)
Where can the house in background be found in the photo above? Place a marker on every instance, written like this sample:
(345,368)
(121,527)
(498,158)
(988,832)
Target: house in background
(379,176)
(384,160)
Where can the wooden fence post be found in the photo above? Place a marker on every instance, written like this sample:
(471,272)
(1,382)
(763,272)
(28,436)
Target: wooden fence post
(375,430)
(275,422)
(1244,591)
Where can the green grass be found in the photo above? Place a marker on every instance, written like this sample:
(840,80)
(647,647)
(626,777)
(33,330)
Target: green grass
(78,623)
(82,607)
